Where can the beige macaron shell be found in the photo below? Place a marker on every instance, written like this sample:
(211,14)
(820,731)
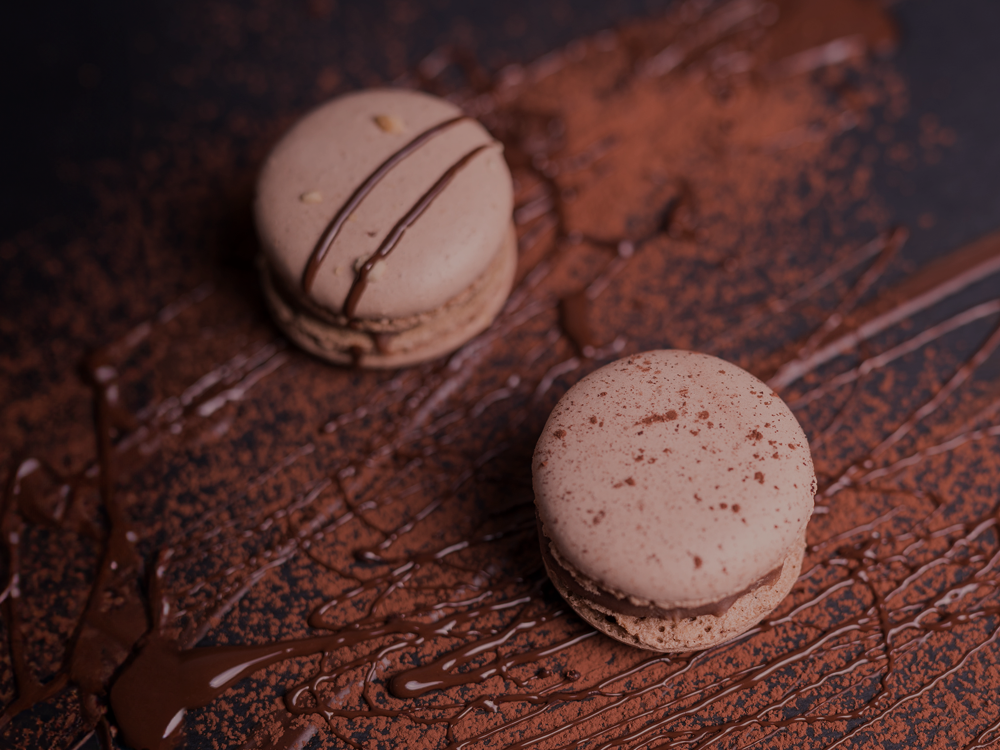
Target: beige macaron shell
(332,150)
(673,477)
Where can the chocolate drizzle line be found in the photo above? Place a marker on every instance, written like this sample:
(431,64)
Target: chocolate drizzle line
(329,235)
(450,636)
(393,238)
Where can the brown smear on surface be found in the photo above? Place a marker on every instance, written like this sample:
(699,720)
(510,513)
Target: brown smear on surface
(810,27)
(574,317)
(307,544)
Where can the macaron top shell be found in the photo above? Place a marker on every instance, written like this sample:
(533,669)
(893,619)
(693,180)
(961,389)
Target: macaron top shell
(320,163)
(673,477)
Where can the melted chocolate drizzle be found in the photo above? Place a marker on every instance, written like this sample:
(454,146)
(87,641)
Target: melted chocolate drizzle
(393,238)
(871,597)
(329,235)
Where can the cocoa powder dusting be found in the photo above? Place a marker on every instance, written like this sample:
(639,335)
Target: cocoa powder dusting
(213,540)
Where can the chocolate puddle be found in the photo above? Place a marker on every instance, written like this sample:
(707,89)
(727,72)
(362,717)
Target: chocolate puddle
(150,697)
(394,517)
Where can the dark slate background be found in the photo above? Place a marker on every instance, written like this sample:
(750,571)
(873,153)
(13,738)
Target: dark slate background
(73,72)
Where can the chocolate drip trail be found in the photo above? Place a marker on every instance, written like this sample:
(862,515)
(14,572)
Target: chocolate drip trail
(152,694)
(939,280)
(361,279)
(326,240)
(574,316)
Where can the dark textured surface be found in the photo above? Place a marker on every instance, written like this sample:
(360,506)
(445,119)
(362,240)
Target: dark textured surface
(949,60)
(105,80)
(101,80)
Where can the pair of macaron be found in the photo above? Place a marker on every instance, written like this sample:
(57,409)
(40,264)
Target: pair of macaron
(672,488)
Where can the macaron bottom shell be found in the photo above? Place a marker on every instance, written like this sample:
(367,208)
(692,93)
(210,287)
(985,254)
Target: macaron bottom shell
(687,634)
(436,333)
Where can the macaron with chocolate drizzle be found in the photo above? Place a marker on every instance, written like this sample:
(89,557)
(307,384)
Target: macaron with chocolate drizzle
(673,491)
(385,225)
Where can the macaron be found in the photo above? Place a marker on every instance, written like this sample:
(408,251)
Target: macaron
(673,491)
(384,219)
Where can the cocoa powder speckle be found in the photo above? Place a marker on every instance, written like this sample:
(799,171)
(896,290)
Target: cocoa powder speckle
(653,418)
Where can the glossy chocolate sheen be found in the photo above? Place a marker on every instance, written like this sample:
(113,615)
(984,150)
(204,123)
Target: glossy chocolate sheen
(212,540)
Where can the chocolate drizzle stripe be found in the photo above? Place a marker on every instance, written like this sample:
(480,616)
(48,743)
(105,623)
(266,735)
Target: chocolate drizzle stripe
(938,281)
(329,235)
(361,279)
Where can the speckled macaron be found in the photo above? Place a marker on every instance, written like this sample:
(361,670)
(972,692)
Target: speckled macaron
(673,491)
(384,218)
